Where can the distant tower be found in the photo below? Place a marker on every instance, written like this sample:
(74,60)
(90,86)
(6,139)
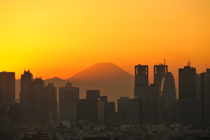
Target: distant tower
(159,73)
(7,87)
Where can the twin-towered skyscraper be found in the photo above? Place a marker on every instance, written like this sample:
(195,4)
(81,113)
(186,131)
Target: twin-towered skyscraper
(158,99)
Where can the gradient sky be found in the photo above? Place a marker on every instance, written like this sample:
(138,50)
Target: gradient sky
(63,37)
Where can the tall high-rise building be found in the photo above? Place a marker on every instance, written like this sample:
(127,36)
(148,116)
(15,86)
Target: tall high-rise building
(37,103)
(141,75)
(159,73)
(187,82)
(68,101)
(26,96)
(203,94)
(188,104)
(7,87)
(168,94)
(141,78)
(50,100)
(207,99)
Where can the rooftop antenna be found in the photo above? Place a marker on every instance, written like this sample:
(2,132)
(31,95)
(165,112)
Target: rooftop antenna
(164,61)
(189,63)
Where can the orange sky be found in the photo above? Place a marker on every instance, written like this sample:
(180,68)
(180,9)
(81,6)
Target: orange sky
(63,37)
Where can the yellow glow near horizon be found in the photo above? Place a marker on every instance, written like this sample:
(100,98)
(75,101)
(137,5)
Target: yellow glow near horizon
(63,37)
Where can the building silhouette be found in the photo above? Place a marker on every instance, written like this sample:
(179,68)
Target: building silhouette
(188,103)
(38,100)
(151,104)
(68,101)
(207,98)
(141,75)
(149,96)
(92,110)
(159,73)
(187,82)
(123,104)
(50,100)
(132,108)
(202,96)
(7,87)
(168,98)
(26,98)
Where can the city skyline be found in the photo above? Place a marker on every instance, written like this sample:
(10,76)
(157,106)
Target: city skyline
(150,72)
(104,69)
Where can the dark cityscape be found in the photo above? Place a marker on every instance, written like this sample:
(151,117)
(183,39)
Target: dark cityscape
(104,69)
(154,112)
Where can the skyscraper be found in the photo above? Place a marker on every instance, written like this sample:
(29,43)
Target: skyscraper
(168,94)
(203,94)
(37,100)
(7,87)
(159,73)
(207,99)
(68,101)
(141,78)
(187,82)
(26,96)
(50,100)
(151,108)
(188,104)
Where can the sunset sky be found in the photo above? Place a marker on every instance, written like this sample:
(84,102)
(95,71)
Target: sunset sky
(63,37)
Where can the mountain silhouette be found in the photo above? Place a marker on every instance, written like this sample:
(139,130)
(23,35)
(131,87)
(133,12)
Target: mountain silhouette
(57,82)
(111,80)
